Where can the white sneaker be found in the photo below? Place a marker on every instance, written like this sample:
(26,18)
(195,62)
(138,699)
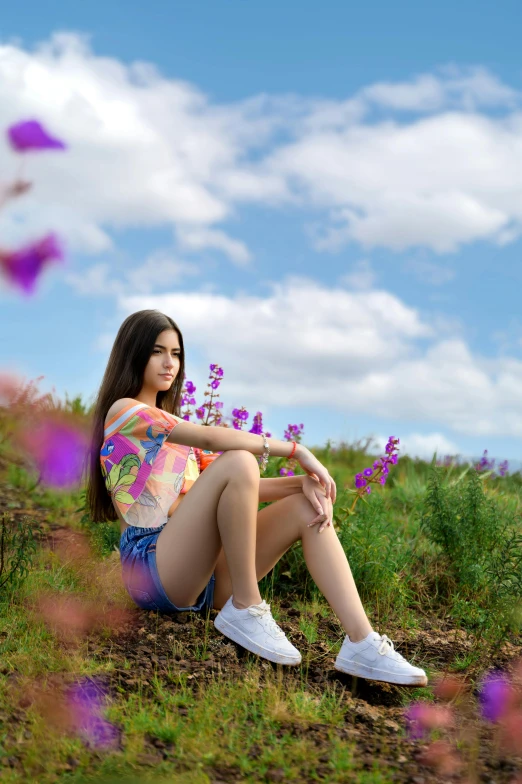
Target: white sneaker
(376,659)
(255,629)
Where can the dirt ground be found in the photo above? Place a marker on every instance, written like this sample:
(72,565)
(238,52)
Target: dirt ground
(374,716)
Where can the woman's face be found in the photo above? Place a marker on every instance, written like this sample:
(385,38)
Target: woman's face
(163,365)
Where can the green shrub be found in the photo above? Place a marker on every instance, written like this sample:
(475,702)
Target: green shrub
(482,547)
(17,548)
(105,537)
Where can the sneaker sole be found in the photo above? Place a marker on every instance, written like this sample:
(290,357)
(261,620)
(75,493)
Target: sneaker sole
(241,638)
(373,674)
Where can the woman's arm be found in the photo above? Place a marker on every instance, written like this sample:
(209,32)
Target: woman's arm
(277,487)
(221,439)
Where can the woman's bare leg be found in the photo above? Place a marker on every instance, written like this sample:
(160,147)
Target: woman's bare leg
(220,510)
(278,527)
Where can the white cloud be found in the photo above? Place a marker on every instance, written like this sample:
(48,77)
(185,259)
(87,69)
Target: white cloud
(359,352)
(420,445)
(147,150)
(428,272)
(361,276)
(160,270)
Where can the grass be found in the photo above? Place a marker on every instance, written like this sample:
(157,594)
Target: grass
(190,707)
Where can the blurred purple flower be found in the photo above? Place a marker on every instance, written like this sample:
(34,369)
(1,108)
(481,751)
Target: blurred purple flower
(360,481)
(503,468)
(58,450)
(31,135)
(215,383)
(187,417)
(257,427)
(494,694)
(86,702)
(414,716)
(200,413)
(377,464)
(189,387)
(367,472)
(286,472)
(382,479)
(22,267)
(218,404)
(368,489)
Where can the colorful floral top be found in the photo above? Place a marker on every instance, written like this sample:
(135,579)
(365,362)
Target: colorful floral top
(144,473)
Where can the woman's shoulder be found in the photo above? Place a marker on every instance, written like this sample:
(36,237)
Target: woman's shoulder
(118,406)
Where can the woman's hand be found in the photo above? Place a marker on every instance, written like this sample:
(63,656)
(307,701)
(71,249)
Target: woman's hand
(314,468)
(316,494)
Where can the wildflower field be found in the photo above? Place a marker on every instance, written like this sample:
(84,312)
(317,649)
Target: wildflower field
(94,689)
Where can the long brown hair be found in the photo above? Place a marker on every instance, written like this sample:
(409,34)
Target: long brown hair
(123,377)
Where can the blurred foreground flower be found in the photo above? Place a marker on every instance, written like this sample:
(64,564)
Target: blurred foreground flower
(31,135)
(58,449)
(86,702)
(495,696)
(23,267)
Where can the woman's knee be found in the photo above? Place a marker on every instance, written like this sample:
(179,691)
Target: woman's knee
(240,463)
(302,511)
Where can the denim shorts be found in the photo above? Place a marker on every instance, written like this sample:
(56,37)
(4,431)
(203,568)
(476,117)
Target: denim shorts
(140,573)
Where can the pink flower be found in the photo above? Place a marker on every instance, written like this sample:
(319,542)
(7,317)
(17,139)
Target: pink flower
(22,267)
(30,135)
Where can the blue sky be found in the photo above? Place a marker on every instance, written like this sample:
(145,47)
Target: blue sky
(370,154)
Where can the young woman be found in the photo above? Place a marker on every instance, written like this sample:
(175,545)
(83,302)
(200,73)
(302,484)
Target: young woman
(208,548)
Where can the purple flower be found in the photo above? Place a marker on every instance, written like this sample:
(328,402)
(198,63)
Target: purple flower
(368,489)
(377,464)
(286,472)
(257,427)
(360,481)
(218,404)
(368,472)
(189,388)
(503,468)
(200,412)
(30,135)
(494,695)
(219,372)
(22,267)
(58,450)
(212,367)
(382,479)
(86,703)
(192,401)
(186,417)
(214,384)
(415,715)
(394,459)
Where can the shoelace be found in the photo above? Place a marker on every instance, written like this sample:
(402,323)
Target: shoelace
(386,646)
(264,609)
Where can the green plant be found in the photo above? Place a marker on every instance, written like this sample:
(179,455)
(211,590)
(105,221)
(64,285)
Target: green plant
(105,537)
(17,548)
(482,546)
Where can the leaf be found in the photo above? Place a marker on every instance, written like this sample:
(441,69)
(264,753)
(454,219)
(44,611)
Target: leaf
(124,497)
(128,462)
(127,479)
(114,475)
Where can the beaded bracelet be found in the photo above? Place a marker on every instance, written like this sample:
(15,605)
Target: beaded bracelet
(264,459)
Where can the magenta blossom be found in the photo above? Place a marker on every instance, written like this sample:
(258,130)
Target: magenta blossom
(31,135)
(58,450)
(189,387)
(86,703)
(494,695)
(360,481)
(22,267)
